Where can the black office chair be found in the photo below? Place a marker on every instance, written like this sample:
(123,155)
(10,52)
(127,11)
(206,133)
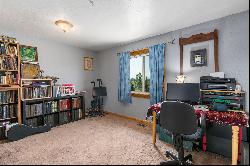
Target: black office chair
(179,119)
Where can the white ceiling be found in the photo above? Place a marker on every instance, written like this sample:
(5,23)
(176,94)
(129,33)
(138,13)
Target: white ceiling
(109,23)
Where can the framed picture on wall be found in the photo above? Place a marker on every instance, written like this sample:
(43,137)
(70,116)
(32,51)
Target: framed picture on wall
(28,53)
(88,63)
(30,71)
(198,58)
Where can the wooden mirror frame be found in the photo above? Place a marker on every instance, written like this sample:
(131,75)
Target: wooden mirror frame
(197,39)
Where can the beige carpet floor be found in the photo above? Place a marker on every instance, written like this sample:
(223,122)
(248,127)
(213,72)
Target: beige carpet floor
(96,141)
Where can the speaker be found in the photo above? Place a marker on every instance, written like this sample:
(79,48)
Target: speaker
(219,139)
(244,153)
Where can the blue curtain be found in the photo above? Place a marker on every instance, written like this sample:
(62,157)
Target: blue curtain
(124,89)
(156,65)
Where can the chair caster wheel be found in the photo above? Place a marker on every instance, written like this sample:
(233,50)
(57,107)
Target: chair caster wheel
(167,155)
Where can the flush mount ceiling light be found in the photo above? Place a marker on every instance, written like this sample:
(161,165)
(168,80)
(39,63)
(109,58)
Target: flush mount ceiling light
(64,25)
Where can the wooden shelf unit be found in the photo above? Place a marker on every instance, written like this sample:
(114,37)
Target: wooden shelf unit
(15,71)
(28,83)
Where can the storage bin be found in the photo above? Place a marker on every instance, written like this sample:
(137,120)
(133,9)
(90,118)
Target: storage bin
(163,136)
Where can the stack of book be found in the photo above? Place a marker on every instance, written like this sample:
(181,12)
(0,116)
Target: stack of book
(64,104)
(8,97)
(8,112)
(36,92)
(34,110)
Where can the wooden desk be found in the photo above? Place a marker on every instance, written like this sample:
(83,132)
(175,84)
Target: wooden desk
(235,139)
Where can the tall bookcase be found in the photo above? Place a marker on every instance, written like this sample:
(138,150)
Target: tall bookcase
(10,102)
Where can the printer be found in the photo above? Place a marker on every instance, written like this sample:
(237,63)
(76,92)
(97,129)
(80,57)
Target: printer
(216,83)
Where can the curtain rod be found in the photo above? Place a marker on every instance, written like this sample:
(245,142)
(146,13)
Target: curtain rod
(172,42)
(135,50)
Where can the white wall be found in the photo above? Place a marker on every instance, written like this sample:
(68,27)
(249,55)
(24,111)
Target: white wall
(233,59)
(63,61)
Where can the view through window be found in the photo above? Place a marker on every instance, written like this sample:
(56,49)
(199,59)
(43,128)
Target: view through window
(140,73)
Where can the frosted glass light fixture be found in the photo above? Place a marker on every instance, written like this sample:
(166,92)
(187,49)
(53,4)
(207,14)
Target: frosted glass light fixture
(64,25)
(180,78)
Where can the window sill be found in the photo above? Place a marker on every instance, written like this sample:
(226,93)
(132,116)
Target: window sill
(140,95)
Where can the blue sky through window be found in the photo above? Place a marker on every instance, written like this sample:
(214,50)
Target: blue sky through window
(135,66)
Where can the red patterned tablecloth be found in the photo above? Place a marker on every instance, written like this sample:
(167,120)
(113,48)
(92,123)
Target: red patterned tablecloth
(226,118)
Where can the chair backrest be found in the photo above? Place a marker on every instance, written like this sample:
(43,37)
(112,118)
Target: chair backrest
(99,91)
(178,118)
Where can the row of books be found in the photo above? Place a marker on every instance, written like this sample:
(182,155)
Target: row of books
(8,63)
(64,104)
(76,103)
(11,79)
(8,111)
(55,119)
(51,120)
(8,96)
(64,117)
(35,122)
(36,92)
(8,49)
(34,110)
(51,107)
(77,114)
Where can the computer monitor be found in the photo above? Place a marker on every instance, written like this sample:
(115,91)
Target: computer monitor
(186,92)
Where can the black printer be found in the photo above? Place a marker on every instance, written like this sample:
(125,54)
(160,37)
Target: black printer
(216,83)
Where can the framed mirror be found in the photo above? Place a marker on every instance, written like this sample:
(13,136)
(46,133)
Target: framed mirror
(199,56)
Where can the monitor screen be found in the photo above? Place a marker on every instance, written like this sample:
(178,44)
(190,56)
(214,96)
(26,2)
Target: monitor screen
(187,92)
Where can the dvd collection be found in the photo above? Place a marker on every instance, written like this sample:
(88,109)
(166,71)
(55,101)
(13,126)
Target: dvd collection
(36,92)
(35,122)
(54,113)
(51,120)
(8,63)
(8,111)
(64,117)
(8,96)
(76,103)
(51,107)
(9,79)
(77,114)
(34,110)
(64,104)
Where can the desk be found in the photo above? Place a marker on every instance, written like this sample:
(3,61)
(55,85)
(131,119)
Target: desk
(236,120)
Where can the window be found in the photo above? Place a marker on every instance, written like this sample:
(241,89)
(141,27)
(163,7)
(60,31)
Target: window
(140,74)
